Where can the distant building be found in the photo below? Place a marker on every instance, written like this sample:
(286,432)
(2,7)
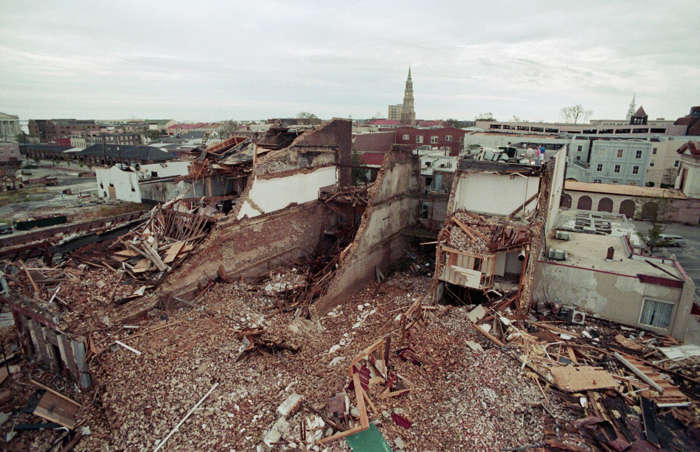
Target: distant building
(640,117)
(638,124)
(689,124)
(664,161)
(379,142)
(394,113)
(9,127)
(96,154)
(177,129)
(59,130)
(609,161)
(9,152)
(408,113)
(445,138)
(384,123)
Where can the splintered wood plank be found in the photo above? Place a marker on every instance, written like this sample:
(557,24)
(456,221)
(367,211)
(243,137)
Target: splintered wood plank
(57,408)
(126,253)
(141,266)
(581,378)
(172,252)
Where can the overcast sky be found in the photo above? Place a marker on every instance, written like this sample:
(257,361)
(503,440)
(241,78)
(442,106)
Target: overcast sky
(200,60)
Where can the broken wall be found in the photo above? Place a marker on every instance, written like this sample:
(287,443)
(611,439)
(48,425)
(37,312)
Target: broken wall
(43,342)
(558,177)
(492,193)
(269,195)
(612,296)
(296,173)
(253,246)
(160,190)
(392,207)
(115,183)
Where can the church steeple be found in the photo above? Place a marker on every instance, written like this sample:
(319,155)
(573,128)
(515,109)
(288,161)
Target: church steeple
(630,110)
(408,114)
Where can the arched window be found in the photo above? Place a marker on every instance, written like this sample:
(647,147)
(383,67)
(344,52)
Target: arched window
(650,210)
(565,201)
(605,205)
(584,203)
(627,208)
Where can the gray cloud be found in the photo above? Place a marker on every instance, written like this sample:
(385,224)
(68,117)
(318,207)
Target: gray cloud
(214,60)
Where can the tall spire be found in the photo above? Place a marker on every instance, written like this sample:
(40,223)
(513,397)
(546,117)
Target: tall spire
(630,111)
(408,114)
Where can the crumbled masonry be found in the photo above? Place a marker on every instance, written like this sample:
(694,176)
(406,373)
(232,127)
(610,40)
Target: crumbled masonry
(314,324)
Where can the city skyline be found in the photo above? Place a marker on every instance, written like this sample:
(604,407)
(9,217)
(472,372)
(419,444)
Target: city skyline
(199,62)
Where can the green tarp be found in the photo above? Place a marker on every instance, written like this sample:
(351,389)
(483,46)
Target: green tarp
(370,440)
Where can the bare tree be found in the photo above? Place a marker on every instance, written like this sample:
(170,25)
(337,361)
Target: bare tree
(306,115)
(227,128)
(575,113)
(485,117)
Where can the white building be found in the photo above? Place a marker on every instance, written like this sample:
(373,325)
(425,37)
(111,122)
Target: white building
(127,182)
(9,127)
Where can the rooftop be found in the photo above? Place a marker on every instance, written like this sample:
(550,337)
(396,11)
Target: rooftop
(623,190)
(589,251)
(373,142)
(371,158)
(128,152)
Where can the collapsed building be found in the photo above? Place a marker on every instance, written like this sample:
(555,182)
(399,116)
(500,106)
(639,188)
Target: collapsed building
(149,317)
(498,216)
(299,204)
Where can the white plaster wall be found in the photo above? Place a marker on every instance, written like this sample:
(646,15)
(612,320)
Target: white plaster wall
(168,169)
(275,194)
(495,194)
(123,182)
(614,297)
(556,189)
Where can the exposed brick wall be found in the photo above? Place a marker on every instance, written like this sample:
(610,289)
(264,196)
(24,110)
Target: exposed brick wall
(407,135)
(379,243)
(251,247)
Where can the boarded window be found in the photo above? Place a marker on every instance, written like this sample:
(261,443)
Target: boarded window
(656,313)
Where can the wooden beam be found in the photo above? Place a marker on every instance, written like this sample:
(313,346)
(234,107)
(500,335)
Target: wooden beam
(465,228)
(639,373)
(31,280)
(523,205)
(57,394)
